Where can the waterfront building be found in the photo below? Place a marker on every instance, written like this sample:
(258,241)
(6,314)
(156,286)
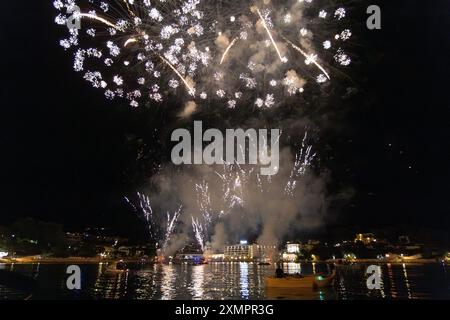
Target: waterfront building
(350,256)
(250,252)
(75,239)
(293,247)
(3,253)
(365,238)
(291,252)
(290,257)
(216,257)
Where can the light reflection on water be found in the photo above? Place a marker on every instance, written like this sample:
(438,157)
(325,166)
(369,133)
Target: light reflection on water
(233,281)
(243,267)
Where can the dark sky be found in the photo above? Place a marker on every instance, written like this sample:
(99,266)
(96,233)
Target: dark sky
(66,154)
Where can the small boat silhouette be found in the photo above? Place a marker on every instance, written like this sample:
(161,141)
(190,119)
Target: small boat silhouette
(300,281)
(118,267)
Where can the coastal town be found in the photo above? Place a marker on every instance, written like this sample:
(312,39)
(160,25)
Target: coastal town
(51,245)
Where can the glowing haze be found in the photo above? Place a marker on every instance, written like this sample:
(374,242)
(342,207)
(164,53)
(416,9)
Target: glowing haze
(220,204)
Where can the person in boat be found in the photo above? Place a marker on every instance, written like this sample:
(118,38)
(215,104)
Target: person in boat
(121,266)
(279,272)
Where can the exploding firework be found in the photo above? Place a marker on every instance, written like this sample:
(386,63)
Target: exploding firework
(137,49)
(275,50)
(211,52)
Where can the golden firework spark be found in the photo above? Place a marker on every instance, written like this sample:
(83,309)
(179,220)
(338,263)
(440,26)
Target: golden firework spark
(309,57)
(228,49)
(191,90)
(131,40)
(129,9)
(100,19)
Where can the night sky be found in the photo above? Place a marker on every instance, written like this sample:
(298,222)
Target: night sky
(68,155)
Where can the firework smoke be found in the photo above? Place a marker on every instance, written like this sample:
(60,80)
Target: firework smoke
(223,203)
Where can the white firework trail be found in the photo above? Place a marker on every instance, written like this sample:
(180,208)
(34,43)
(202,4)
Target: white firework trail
(95,17)
(199,233)
(191,89)
(264,22)
(232,188)
(204,203)
(145,210)
(172,219)
(303,161)
(228,50)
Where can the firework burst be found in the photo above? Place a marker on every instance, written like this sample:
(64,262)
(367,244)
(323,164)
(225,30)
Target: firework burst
(275,50)
(211,52)
(137,49)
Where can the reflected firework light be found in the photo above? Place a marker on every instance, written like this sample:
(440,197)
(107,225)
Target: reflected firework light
(216,52)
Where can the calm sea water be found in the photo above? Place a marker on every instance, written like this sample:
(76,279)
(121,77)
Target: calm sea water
(232,281)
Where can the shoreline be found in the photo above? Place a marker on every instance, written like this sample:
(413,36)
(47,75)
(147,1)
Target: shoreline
(71,260)
(82,260)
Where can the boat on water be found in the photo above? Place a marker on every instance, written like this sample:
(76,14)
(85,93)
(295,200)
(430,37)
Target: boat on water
(321,281)
(192,259)
(300,281)
(264,264)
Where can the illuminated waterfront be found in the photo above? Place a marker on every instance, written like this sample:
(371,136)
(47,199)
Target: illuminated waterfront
(233,281)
